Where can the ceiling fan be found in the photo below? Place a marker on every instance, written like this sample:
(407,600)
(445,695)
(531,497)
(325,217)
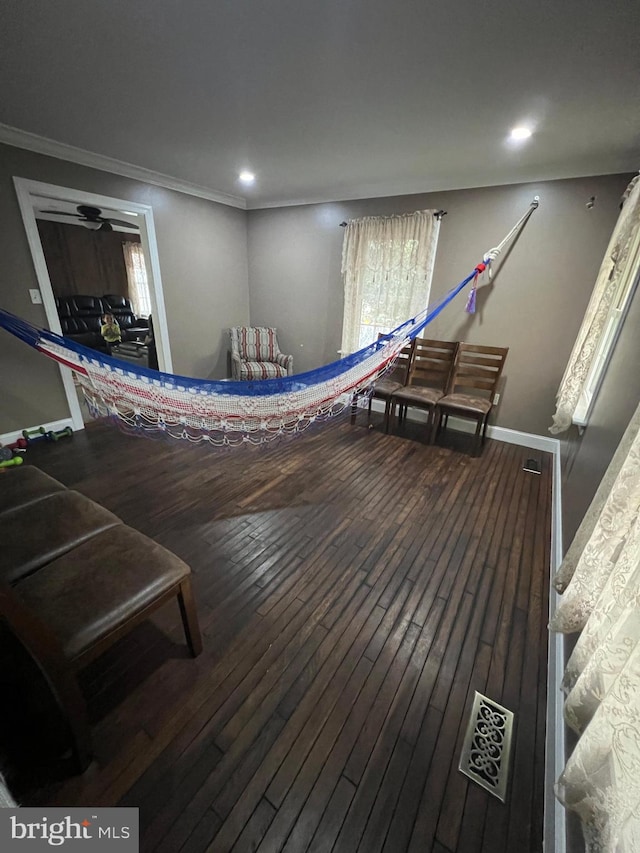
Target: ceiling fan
(91,217)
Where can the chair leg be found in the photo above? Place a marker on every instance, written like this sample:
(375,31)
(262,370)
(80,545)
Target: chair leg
(478,439)
(369,409)
(484,429)
(440,421)
(389,414)
(432,424)
(190,617)
(354,408)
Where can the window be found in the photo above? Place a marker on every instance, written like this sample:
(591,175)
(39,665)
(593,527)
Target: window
(137,278)
(387,265)
(614,287)
(626,285)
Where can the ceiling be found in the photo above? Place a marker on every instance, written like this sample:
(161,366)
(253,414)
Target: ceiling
(330,100)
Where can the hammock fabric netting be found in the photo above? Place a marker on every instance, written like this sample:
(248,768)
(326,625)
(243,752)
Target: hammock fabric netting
(227,413)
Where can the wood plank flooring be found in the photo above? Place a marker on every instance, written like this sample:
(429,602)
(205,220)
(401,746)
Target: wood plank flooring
(354,590)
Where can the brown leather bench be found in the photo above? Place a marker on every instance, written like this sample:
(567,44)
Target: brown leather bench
(74,579)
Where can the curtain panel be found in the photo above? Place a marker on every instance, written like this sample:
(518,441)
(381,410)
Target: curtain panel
(387,267)
(618,264)
(600,585)
(137,278)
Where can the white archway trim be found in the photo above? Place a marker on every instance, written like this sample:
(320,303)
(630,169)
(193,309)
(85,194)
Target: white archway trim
(26,191)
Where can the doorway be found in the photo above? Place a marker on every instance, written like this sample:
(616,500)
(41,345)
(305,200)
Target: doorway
(130,218)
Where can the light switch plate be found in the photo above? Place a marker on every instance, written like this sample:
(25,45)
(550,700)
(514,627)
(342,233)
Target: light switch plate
(36,296)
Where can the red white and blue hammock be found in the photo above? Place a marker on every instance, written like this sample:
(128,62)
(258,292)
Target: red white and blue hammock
(226,413)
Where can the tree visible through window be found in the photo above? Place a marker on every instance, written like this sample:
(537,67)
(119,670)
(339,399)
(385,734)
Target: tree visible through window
(387,265)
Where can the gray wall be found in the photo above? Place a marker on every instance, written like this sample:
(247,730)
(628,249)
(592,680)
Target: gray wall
(222,267)
(534,306)
(203,261)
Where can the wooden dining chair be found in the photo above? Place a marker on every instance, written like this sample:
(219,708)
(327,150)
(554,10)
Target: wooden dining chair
(392,380)
(474,383)
(428,381)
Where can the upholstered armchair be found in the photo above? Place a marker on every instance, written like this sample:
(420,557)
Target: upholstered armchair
(255,354)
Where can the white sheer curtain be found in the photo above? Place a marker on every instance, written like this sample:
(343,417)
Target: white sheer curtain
(387,265)
(600,585)
(137,278)
(6,800)
(617,266)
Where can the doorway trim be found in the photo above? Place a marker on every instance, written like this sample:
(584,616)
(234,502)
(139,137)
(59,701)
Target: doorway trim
(26,190)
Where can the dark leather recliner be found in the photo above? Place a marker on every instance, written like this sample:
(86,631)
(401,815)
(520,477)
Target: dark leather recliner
(133,328)
(81,318)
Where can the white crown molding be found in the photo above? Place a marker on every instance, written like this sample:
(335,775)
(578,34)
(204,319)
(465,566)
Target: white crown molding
(51,148)
(409,187)
(41,145)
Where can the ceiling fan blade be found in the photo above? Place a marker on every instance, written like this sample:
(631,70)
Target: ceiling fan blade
(123,223)
(61,213)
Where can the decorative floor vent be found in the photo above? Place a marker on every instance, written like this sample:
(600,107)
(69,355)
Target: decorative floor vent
(487,745)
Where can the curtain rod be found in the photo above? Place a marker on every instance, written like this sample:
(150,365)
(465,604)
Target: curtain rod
(438,215)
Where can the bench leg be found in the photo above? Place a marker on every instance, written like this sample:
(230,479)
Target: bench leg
(77,718)
(190,617)
(66,691)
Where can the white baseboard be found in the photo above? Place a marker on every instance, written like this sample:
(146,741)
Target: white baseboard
(554,839)
(53,426)
(525,439)
(509,436)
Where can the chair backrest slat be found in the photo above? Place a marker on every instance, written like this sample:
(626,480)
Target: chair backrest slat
(432,363)
(471,370)
(478,367)
(400,370)
(483,350)
(472,359)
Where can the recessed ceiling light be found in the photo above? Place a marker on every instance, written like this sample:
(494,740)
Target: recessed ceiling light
(247,177)
(520,133)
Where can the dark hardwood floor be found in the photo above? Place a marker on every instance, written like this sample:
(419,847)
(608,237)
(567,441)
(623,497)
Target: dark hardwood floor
(354,590)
